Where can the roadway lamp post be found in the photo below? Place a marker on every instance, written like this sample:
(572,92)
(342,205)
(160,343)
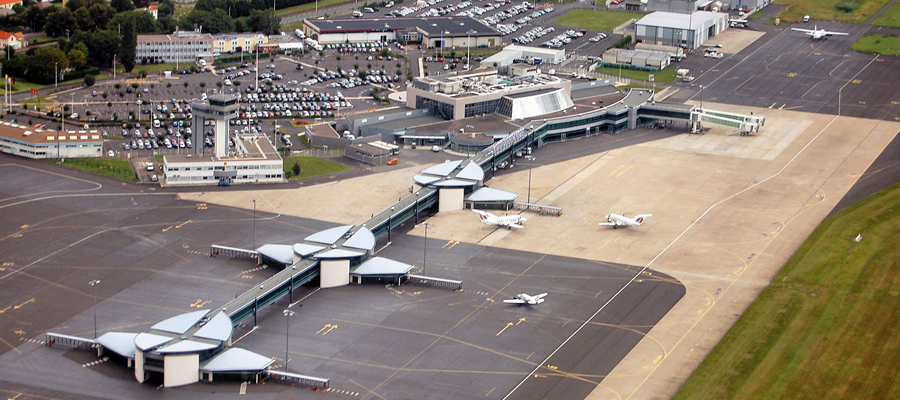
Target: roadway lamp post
(701,98)
(254,222)
(56,70)
(530,162)
(287,336)
(425,248)
(94,284)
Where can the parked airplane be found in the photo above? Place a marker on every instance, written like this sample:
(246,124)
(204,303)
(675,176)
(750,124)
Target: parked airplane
(817,34)
(510,221)
(525,298)
(616,220)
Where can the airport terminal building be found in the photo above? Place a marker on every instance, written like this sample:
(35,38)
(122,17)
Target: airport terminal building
(38,143)
(682,30)
(445,32)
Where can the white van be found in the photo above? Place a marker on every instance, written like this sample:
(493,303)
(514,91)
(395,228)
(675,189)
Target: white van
(357,14)
(156,123)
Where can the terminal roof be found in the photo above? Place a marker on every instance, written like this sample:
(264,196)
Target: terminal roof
(304,249)
(329,236)
(180,323)
(186,346)
(491,194)
(236,360)
(425,180)
(338,253)
(471,171)
(382,266)
(443,169)
(363,239)
(146,341)
(282,253)
(218,328)
(120,342)
(453,183)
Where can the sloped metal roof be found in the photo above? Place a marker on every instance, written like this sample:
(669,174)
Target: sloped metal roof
(304,249)
(180,323)
(363,239)
(443,169)
(147,341)
(121,343)
(237,360)
(329,236)
(471,171)
(279,252)
(186,346)
(382,266)
(338,253)
(453,183)
(491,194)
(425,180)
(218,328)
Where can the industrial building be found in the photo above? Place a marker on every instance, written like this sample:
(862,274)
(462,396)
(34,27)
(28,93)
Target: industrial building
(447,32)
(689,31)
(636,59)
(236,42)
(528,54)
(39,143)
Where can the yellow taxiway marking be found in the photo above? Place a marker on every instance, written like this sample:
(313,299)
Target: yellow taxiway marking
(4,310)
(20,305)
(24,226)
(19,332)
(508,324)
(166,229)
(782,106)
(184,223)
(521,320)
(327,328)
(857,81)
(773,105)
(8,264)
(792,74)
(621,170)
(201,206)
(451,244)
(14,397)
(200,303)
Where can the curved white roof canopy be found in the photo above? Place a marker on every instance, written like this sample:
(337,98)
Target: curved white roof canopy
(218,328)
(329,236)
(180,323)
(363,239)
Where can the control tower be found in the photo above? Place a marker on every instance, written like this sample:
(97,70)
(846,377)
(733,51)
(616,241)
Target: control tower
(220,108)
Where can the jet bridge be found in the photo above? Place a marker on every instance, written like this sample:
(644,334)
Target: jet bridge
(742,124)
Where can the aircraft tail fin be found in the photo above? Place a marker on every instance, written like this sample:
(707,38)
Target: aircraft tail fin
(640,218)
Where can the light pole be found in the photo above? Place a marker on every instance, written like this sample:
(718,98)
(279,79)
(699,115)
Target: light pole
(114,65)
(56,69)
(254,222)
(425,248)
(530,162)
(94,283)
(287,335)
(469,46)
(390,222)
(701,98)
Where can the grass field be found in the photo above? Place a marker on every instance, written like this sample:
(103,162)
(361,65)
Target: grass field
(825,10)
(308,7)
(595,20)
(312,166)
(826,327)
(114,167)
(666,75)
(890,18)
(878,44)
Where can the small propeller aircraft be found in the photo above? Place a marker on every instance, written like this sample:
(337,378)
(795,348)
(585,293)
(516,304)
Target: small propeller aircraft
(817,34)
(526,299)
(510,221)
(616,220)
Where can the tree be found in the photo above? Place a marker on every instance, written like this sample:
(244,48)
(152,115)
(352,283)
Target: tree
(296,168)
(141,3)
(142,21)
(121,5)
(128,46)
(264,21)
(101,14)
(166,8)
(166,24)
(58,22)
(219,83)
(216,21)
(84,18)
(35,18)
(89,80)
(77,59)
(186,85)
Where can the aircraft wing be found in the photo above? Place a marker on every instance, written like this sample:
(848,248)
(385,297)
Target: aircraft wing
(517,226)
(836,33)
(514,301)
(806,31)
(541,296)
(607,224)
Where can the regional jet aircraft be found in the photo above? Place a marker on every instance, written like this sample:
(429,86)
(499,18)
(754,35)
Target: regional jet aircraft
(616,220)
(817,34)
(525,298)
(510,221)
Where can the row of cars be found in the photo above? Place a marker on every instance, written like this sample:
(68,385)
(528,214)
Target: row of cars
(406,10)
(155,143)
(444,10)
(533,33)
(563,39)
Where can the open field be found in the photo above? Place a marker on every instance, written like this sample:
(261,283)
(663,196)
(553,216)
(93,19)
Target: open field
(826,327)
(595,20)
(666,75)
(890,18)
(826,10)
(878,44)
(312,166)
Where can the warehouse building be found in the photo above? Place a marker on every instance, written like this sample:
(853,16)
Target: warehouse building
(636,59)
(689,31)
(38,143)
(452,32)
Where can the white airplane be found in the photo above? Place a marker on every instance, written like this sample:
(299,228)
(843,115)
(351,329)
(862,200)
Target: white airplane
(510,221)
(525,298)
(616,220)
(817,34)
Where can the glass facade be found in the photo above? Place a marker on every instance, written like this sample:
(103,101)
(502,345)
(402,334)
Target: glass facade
(441,109)
(481,108)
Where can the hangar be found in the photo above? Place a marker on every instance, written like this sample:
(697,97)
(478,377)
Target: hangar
(683,30)
(432,32)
